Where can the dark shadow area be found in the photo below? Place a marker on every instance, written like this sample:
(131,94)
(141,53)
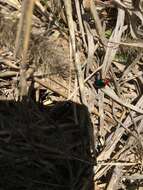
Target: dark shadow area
(45,147)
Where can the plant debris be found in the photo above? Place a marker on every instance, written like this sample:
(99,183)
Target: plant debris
(71,104)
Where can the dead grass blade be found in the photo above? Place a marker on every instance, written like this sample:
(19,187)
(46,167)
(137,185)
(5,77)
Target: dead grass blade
(116,36)
(24,30)
(109,92)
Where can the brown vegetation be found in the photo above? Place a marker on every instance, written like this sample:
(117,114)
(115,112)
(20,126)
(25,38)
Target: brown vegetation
(55,51)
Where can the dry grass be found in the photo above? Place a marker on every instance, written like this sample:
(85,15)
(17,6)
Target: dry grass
(71,42)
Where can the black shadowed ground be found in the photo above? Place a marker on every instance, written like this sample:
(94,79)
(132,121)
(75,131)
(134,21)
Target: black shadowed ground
(45,148)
